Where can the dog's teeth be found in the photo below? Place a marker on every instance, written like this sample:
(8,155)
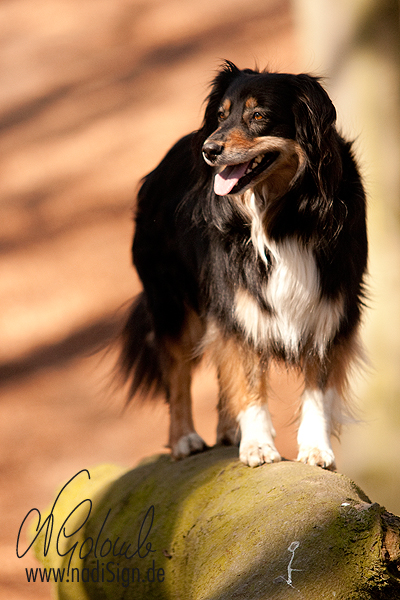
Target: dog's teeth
(255,163)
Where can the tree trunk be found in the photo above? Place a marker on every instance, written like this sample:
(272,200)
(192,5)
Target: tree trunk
(210,528)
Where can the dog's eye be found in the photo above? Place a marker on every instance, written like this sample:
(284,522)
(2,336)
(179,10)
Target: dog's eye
(221,115)
(257,116)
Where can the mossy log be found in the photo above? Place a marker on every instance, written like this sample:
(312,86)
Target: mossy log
(210,528)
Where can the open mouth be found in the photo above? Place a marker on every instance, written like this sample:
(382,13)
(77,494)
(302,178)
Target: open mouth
(234,178)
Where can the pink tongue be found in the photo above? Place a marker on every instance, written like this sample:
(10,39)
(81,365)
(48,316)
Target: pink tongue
(228,178)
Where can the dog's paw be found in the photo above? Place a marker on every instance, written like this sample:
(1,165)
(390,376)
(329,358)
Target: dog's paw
(254,453)
(188,444)
(317,457)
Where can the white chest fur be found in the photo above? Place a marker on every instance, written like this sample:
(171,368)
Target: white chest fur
(297,312)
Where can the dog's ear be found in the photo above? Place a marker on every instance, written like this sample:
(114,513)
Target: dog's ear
(315,119)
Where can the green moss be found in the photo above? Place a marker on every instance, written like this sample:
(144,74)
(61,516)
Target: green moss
(217,530)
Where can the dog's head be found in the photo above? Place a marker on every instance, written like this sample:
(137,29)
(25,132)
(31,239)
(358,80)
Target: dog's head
(267,128)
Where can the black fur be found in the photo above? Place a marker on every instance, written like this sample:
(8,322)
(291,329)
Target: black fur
(192,247)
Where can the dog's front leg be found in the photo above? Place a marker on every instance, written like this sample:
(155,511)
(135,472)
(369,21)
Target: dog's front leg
(325,402)
(314,435)
(257,436)
(243,393)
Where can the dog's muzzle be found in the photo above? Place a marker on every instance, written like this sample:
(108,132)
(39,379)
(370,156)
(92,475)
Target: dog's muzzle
(211,151)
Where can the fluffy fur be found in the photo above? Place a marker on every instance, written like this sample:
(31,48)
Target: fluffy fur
(251,245)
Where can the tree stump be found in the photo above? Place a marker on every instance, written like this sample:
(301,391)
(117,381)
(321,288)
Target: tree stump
(210,528)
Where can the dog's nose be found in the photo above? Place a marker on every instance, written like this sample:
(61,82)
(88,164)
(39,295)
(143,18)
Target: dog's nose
(211,150)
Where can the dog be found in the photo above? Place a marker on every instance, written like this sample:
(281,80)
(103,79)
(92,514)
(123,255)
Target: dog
(251,245)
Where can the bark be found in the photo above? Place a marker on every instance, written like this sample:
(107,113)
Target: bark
(210,528)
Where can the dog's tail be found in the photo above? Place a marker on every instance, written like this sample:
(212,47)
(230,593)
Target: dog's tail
(140,361)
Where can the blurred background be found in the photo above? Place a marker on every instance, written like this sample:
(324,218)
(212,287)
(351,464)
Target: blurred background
(92,94)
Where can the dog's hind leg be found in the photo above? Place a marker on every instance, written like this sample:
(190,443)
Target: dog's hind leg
(183,439)
(179,362)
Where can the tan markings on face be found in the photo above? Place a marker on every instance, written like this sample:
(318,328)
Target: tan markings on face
(226,106)
(236,140)
(288,164)
(251,103)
